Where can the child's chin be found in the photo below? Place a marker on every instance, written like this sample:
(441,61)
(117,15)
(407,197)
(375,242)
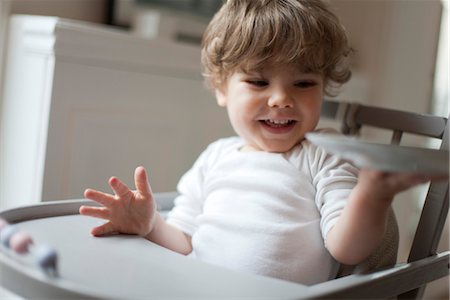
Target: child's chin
(279,148)
(270,145)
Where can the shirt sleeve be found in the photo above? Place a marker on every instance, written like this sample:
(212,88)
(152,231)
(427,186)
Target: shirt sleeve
(189,204)
(334,180)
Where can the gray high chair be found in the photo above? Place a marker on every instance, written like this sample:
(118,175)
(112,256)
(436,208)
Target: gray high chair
(405,280)
(380,276)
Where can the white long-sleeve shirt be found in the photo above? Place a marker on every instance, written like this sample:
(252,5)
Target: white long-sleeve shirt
(265,213)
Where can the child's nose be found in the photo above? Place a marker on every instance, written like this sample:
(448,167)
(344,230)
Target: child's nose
(280,99)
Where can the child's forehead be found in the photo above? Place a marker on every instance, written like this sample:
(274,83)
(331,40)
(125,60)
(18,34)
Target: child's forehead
(294,69)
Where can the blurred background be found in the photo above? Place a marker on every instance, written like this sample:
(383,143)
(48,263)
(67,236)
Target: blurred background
(94,88)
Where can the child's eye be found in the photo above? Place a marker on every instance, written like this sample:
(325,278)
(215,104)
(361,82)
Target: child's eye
(305,84)
(258,83)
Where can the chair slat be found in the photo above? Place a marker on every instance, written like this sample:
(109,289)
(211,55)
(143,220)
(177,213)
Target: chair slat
(422,124)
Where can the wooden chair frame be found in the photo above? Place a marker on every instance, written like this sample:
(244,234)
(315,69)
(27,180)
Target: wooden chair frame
(407,281)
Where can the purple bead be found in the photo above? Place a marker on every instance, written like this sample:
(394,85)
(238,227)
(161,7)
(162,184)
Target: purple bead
(46,258)
(7,233)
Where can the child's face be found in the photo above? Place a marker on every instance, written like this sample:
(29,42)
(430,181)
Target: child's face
(272,109)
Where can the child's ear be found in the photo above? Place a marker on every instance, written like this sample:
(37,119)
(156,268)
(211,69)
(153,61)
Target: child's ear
(221,97)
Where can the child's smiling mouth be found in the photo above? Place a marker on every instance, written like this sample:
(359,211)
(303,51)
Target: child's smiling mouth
(278,126)
(277,123)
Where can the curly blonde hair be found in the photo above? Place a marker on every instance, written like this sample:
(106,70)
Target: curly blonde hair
(250,34)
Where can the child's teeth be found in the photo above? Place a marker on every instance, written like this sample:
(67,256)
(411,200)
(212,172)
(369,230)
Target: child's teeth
(278,122)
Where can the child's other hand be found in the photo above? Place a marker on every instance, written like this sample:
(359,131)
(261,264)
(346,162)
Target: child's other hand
(130,212)
(385,185)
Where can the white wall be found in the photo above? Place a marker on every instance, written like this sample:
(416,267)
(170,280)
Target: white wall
(4,12)
(395,44)
(84,10)
(440,105)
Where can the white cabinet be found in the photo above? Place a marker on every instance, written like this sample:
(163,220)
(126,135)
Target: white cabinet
(84,102)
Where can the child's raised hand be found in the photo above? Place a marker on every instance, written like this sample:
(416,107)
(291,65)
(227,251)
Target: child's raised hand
(130,212)
(387,184)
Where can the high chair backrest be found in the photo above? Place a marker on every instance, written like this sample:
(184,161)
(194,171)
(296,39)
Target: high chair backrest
(435,209)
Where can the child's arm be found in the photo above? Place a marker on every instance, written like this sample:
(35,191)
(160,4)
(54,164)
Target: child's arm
(134,212)
(362,224)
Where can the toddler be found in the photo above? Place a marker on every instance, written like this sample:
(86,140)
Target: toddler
(266,201)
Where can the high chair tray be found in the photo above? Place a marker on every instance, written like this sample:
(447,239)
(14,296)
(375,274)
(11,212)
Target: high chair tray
(119,266)
(381,156)
(129,267)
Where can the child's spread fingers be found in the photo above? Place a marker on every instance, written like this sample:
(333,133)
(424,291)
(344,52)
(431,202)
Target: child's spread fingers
(96,212)
(119,188)
(100,197)
(104,229)
(141,181)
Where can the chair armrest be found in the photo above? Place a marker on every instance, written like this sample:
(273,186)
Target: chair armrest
(385,283)
(69,207)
